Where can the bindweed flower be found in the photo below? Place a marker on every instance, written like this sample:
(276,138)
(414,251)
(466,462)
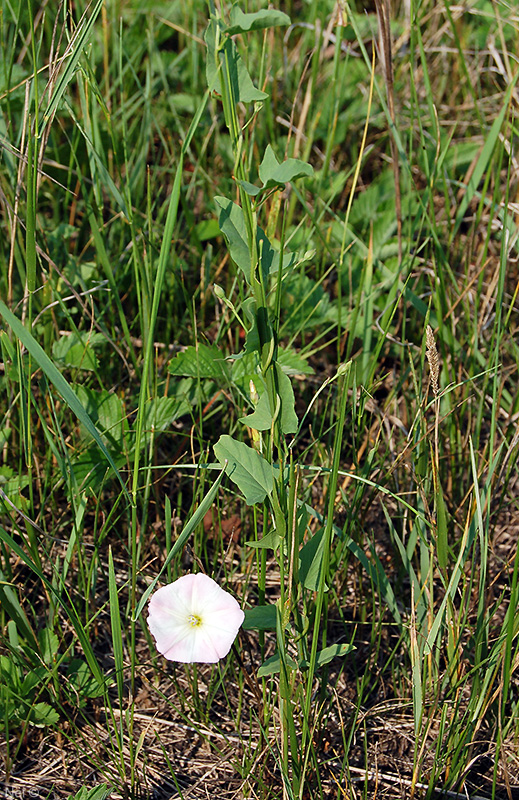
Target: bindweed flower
(194,620)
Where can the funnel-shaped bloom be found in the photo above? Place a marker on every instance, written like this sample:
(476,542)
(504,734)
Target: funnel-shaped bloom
(193,620)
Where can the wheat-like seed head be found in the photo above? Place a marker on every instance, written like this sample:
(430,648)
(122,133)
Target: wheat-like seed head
(433,359)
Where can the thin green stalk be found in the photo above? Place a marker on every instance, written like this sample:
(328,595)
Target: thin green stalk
(323,577)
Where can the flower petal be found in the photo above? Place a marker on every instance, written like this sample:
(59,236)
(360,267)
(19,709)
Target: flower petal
(194,620)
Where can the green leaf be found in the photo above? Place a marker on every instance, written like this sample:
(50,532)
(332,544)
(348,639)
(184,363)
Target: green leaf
(207,229)
(42,715)
(293,363)
(49,645)
(272,173)
(10,673)
(261,618)
(265,18)
(78,351)
(200,362)
(289,421)
(106,411)
(249,188)
(115,620)
(329,653)
(91,470)
(441,528)
(80,676)
(253,475)
(9,601)
(310,562)
(160,413)
(100,792)
(268,164)
(261,418)
(272,665)
(232,225)
(270,540)
(221,50)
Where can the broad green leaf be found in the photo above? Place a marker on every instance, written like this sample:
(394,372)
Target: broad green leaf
(272,665)
(80,676)
(261,618)
(160,412)
(265,18)
(11,486)
(31,681)
(232,225)
(78,352)
(207,229)
(273,173)
(261,418)
(222,54)
(42,715)
(333,651)
(106,411)
(268,164)
(202,361)
(293,363)
(253,475)
(91,470)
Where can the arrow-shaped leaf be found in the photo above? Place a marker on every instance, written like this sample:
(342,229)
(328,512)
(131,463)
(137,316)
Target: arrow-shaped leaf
(253,475)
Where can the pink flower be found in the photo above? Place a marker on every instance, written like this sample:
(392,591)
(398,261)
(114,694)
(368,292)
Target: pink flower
(194,620)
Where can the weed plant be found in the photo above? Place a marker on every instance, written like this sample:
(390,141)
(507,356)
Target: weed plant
(257,299)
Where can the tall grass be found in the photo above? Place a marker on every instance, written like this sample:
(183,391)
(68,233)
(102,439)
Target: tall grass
(257,310)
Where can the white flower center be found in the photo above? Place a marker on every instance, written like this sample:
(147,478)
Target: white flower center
(194,620)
